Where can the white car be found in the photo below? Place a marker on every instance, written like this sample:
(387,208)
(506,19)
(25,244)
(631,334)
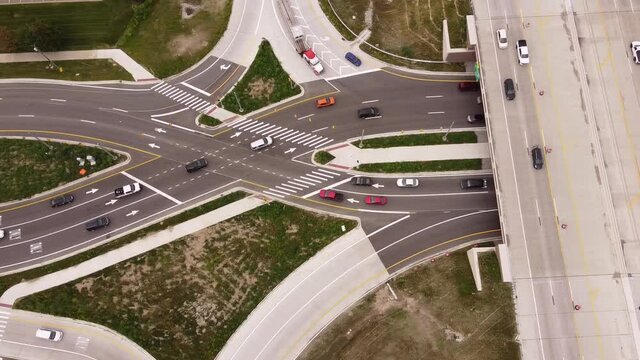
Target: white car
(407,183)
(501,34)
(1,234)
(261,143)
(49,334)
(523,52)
(635,51)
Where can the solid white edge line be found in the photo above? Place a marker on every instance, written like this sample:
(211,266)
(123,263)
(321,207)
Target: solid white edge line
(308,276)
(196,89)
(327,187)
(152,188)
(170,113)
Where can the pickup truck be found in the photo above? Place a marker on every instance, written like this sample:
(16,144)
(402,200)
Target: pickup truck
(127,190)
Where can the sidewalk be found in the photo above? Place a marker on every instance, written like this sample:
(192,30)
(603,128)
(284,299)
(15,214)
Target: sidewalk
(307,300)
(350,156)
(136,70)
(128,251)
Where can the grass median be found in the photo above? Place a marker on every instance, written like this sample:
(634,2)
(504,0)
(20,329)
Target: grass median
(323,157)
(29,167)
(185,299)
(438,314)
(264,83)
(422,166)
(78,70)
(462,137)
(208,120)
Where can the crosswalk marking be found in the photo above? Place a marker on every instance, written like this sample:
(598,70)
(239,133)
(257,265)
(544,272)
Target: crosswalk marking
(271,131)
(259,127)
(183,97)
(300,183)
(323,143)
(295,183)
(321,174)
(329,172)
(265,129)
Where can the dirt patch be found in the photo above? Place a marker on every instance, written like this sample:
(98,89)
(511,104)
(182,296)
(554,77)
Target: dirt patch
(436,316)
(190,43)
(259,88)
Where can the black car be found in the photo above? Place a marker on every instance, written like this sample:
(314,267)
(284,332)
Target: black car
(62,200)
(509,89)
(476,118)
(473,184)
(368,113)
(196,165)
(97,223)
(361,180)
(537,157)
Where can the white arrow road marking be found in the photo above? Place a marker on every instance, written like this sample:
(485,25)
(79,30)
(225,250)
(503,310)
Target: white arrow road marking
(133,212)
(377,186)
(111,202)
(236,134)
(225,66)
(290,150)
(352,200)
(160,130)
(92,191)
(154,146)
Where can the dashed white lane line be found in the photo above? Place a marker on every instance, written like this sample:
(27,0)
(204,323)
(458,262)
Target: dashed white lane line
(152,188)
(121,110)
(58,100)
(370,101)
(433,96)
(88,121)
(324,128)
(435,112)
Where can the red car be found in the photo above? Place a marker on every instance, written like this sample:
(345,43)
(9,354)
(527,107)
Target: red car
(375,200)
(331,195)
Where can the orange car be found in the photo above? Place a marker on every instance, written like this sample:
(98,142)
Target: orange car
(324,102)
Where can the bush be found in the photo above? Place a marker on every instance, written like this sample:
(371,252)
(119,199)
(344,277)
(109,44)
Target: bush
(8,41)
(43,35)
(140,14)
(208,120)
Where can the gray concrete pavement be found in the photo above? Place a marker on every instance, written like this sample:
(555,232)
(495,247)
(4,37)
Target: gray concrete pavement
(572,285)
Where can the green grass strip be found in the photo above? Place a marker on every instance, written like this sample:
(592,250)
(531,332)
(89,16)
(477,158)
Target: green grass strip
(463,137)
(422,166)
(75,70)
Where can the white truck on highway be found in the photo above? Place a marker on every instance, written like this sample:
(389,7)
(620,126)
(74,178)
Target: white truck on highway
(307,54)
(127,190)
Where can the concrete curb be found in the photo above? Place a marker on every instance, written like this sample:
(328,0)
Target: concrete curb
(381,283)
(72,183)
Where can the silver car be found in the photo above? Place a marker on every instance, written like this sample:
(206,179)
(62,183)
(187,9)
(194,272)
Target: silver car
(407,182)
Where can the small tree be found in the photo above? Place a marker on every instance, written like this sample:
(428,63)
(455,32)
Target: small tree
(8,41)
(45,36)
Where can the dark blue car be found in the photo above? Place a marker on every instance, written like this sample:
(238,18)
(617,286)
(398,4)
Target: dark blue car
(353,59)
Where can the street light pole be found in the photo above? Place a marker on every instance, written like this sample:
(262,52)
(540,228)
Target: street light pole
(52,65)
(444,137)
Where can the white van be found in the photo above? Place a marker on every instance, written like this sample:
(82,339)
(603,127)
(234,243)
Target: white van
(49,334)
(261,143)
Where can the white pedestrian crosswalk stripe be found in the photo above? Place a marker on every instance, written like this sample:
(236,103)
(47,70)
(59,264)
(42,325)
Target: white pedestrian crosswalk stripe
(301,183)
(281,133)
(183,97)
